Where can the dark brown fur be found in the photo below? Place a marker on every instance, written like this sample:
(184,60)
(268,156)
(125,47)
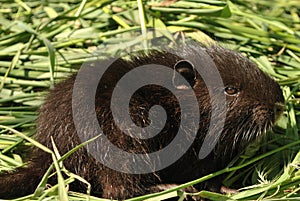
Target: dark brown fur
(250,112)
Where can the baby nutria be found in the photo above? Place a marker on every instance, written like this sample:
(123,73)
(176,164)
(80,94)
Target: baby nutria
(252,101)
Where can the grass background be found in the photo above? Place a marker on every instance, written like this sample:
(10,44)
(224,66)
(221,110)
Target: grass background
(42,42)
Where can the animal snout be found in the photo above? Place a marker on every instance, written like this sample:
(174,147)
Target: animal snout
(264,113)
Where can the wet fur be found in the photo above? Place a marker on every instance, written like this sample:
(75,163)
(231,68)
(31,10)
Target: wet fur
(249,114)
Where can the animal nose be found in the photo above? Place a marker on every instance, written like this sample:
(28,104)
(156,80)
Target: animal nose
(278,110)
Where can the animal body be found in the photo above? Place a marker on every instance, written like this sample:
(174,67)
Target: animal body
(253,101)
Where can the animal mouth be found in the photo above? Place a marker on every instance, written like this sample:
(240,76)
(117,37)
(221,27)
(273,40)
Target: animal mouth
(263,115)
(255,125)
(263,121)
(250,130)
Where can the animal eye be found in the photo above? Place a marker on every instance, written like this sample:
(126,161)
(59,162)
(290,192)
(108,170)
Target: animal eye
(231,90)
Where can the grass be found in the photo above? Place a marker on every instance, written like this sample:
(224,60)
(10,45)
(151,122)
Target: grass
(43,42)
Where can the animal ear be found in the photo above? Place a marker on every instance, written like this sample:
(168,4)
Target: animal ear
(186,69)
